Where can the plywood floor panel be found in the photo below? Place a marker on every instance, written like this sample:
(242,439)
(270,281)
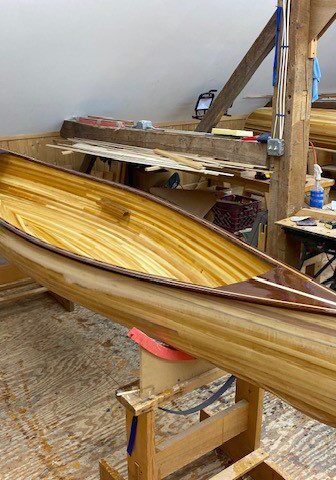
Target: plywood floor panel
(58,414)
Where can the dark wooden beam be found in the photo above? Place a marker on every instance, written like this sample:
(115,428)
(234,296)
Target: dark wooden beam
(322,16)
(240,77)
(174,140)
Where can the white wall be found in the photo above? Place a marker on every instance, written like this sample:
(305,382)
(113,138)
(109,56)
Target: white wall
(126,58)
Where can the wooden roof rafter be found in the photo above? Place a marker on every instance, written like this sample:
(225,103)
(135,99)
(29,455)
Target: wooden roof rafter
(322,16)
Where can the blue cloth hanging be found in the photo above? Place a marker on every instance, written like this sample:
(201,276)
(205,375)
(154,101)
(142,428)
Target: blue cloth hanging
(276,52)
(316,79)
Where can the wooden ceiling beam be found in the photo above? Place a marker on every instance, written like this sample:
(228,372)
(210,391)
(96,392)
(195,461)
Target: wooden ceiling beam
(173,140)
(240,77)
(322,16)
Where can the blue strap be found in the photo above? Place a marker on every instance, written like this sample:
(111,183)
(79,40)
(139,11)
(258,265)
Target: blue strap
(132,437)
(207,402)
(276,53)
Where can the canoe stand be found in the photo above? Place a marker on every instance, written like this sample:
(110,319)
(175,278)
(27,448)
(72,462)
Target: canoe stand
(235,431)
(16,286)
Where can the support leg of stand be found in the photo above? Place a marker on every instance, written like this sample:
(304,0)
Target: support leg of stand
(68,305)
(142,462)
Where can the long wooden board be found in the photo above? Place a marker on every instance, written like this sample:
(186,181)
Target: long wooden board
(174,140)
(322,16)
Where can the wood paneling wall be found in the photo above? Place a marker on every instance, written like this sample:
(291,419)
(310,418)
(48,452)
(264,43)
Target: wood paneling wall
(35,146)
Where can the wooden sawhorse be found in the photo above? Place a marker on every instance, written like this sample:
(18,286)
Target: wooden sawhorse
(235,430)
(16,286)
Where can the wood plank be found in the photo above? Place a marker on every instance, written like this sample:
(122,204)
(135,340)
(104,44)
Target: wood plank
(242,466)
(129,396)
(16,297)
(322,16)
(142,463)
(268,470)
(318,213)
(202,438)
(66,304)
(158,375)
(175,162)
(9,273)
(288,180)
(19,283)
(249,440)
(174,140)
(240,77)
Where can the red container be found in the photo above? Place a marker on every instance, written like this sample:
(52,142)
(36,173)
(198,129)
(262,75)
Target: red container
(235,212)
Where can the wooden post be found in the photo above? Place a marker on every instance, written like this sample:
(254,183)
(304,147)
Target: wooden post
(142,462)
(289,171)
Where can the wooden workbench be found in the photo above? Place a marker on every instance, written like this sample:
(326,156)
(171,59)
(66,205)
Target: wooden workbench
(316,213)
(246,179)
(317,245)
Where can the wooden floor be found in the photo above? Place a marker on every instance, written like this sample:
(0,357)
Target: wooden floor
(58,373)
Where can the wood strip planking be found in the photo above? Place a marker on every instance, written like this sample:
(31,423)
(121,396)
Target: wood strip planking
(259,343)
(322,125)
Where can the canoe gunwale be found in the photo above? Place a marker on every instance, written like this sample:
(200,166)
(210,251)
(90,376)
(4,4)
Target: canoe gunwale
(214,291)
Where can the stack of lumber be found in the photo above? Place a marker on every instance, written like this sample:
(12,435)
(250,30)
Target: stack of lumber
(322,125)
(144,156)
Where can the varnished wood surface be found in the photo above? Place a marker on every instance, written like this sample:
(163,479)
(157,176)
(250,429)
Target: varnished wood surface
(288,352)
(131,232)
(112,225)
(322,125)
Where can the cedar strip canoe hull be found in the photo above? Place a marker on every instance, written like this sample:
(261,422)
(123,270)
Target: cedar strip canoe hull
(237,325)
(290,353)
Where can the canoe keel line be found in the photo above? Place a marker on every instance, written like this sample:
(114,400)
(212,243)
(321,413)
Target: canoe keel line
(173,276)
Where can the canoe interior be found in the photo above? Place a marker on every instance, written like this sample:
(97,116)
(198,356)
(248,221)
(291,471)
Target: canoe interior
(118,227)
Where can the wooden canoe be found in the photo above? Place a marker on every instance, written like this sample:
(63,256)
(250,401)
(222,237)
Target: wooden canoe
(144,263)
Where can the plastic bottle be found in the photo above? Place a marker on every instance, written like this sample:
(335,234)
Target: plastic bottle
(317,193)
